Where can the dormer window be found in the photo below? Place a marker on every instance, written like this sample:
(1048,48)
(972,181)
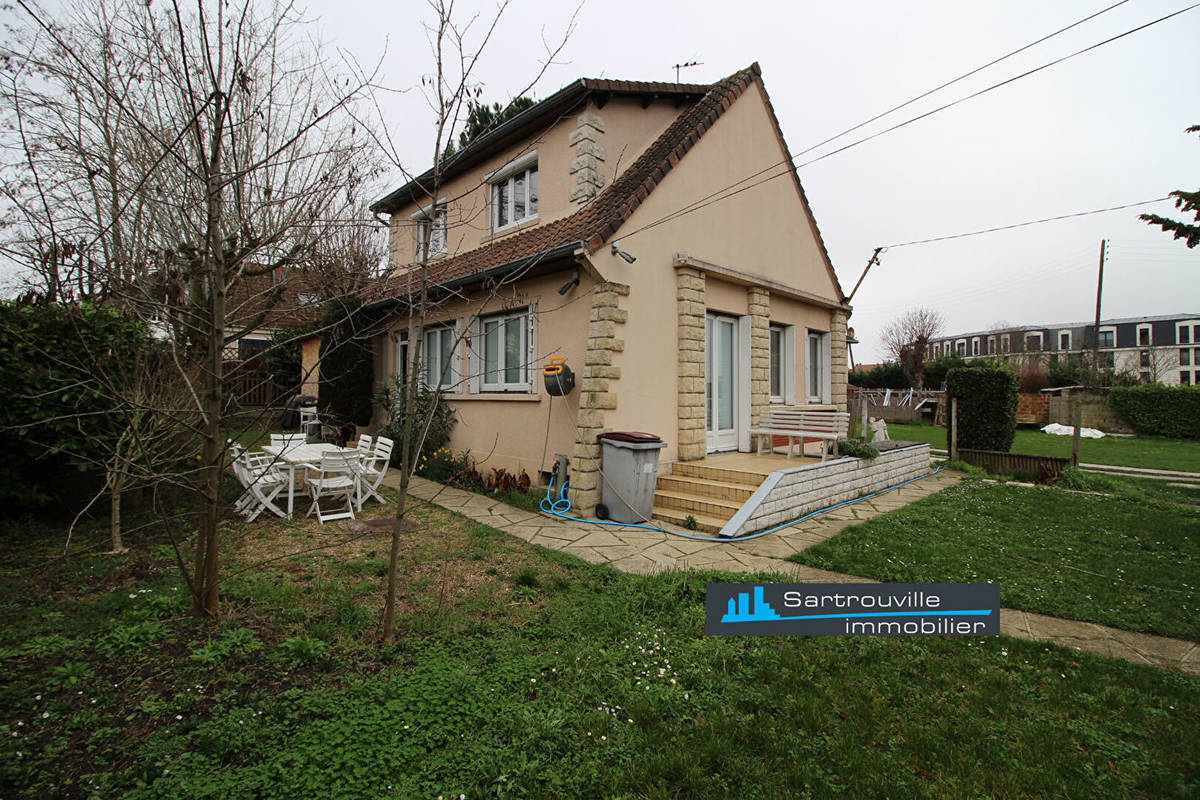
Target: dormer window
(515,193)
(434,228)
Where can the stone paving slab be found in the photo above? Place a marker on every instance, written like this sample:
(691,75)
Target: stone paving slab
(640,551)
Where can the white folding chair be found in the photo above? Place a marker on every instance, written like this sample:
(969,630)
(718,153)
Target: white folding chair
(262,482)
(364,445)
(373,468)
(337,476)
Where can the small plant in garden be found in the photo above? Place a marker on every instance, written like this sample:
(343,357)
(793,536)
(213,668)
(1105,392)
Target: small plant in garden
(302,650)
(690,523)
(856,449)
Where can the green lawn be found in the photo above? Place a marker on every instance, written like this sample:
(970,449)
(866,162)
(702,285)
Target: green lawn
(1123,561)
(1146,452)
(525,673)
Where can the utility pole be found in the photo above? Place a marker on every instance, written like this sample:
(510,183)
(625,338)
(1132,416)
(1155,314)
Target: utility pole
(874,259)
(1099,292)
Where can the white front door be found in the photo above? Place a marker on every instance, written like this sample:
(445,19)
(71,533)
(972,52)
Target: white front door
(721,383)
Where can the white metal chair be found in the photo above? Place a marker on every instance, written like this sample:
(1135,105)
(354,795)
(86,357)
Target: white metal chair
(288,440)
(374,467)
(336,476)
(262,482)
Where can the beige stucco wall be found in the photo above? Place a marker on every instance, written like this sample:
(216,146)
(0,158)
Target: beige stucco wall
(509,430)
(629,129)
(763,231)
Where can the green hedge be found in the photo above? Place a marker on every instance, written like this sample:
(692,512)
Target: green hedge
(347,364)
(1156,410)
(987,407)
(62,366)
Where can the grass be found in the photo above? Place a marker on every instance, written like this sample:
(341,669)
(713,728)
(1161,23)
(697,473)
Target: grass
(1145,452)
(1125,561)
(522,672)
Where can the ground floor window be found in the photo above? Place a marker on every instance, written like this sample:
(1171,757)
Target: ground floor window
(439,368)
(507,345)
(817,367)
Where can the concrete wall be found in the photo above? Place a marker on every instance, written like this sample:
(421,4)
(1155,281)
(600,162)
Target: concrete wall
(1096,411)
(791,493)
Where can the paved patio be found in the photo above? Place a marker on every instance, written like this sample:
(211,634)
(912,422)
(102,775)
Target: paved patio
(642,551)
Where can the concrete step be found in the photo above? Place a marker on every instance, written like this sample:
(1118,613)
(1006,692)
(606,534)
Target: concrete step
(675,516)
(719,474)
(703,487)
(696,504)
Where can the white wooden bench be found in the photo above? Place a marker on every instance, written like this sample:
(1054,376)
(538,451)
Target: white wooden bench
(800,424)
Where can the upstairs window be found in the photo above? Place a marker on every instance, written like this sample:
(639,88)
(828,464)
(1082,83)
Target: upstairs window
(1144,336)
(515,193)
(435,229)
(1033,343)
(1108,338)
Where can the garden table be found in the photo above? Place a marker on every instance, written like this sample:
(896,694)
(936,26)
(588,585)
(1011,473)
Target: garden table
(301,456)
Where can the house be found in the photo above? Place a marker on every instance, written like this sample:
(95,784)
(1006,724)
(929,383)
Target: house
(652,235)
(1162,349)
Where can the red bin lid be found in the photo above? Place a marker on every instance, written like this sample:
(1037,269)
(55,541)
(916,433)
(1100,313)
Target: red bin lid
(630,436)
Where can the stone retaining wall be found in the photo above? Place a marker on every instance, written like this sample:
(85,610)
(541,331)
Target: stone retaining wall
(790,493)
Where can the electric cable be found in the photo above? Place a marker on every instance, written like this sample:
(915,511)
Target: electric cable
(721,193)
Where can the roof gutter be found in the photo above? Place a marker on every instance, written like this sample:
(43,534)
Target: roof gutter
(544,258)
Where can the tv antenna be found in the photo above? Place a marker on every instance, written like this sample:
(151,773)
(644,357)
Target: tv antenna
(685,65)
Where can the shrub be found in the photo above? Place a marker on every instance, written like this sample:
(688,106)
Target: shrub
(284,360)
(884,376)
(936,369)
(856,449)
(1033,377)
(58,416)
(1156,410)
(987,407)
(427,405)
(347,364)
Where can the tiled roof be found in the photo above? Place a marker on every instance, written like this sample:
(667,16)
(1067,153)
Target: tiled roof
(593,224)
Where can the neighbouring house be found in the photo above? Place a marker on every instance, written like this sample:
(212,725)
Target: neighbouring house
(653,235)
(1159,349)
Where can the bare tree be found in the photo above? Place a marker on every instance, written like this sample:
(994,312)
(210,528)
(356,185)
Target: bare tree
(170,155)
(457,47)
(906,339)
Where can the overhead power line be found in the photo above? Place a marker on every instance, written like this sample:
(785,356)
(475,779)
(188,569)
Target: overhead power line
(1026,224)
(730,190)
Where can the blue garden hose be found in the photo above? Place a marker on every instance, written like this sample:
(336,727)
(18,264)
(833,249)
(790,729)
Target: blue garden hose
(562,505)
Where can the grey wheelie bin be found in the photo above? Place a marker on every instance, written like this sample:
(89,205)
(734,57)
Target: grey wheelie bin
(629,466)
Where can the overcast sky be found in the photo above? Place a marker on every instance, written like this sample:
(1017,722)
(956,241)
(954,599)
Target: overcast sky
(1102,129)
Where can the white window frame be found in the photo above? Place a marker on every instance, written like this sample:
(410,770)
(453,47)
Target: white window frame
(975,346)
(820,364)
(1004,343)
(440,335)
(526,166)
(960,347)
(1107,329)
(991,345)
(1149,329)
(478,352)
(1189,326)
(1069,336)
(786,361)
(1041,340)
(422,219)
